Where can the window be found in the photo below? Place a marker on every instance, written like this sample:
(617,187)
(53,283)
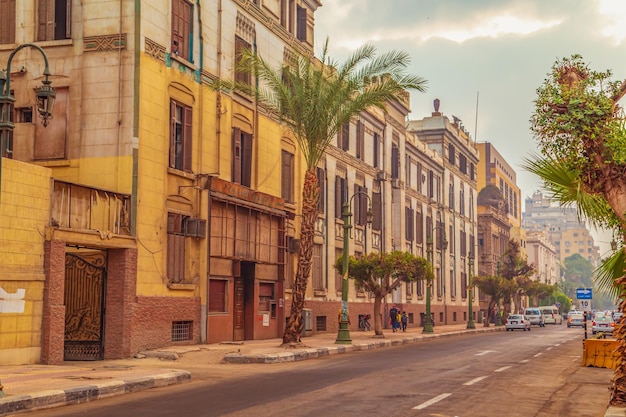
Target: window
(321,181)
(451,155)
(301,25)
(217,295)
(287,176)
(343,137)
(51,141)
(180,136)
(419,226)
(360,205)
(409,227)
(182,12)
(243,77)
(317,269)
(451,196)
(431,184)
(360,140)
(377,209)
(463,163)
(395,161)
(7,21)
(471,173)
(266,295)
(376,150)
(462,202)
(242,157)
(341,195)
(175,248)
(54,19)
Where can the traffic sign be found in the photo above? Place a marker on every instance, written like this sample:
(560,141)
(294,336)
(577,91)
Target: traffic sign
(584,305)
(584,293)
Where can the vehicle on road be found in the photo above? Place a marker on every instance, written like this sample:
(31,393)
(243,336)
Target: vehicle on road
(551,315)
(575,318)
(603,324)
(534,315)
(517,321)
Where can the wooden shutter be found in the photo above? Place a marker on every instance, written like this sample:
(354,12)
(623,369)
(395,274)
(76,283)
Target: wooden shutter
(377,209)
(363,201)
(45,23)
(7,21)
(68,19)
(375,149)
(338,197)
(187,142)
(345,136)
(217,295)
(395,161)
(301,29)
(237,156)
(419,227)
(360,140)
(321,181)
(246,159)
(286,176)
(173,123)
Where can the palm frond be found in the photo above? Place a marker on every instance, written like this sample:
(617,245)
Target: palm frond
(611,269)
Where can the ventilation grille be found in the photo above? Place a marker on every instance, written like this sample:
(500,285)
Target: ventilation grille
(181,331)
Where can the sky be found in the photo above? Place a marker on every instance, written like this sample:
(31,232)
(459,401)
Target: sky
(484,59)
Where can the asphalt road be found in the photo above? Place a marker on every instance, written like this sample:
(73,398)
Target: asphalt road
(534,373)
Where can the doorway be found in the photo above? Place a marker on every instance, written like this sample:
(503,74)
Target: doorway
(243,314)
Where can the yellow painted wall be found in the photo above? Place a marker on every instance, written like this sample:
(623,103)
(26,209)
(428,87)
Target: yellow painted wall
(24,211)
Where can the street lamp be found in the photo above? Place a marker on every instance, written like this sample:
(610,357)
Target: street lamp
(343,335)
(428,322)
(45,99)
(470,265)
(45,103)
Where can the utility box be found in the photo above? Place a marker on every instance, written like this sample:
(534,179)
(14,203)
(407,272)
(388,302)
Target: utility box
(307,322)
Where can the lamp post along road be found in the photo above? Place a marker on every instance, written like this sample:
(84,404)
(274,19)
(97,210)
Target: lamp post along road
(428,322)
(45,99)
(343,334)
(45,104)
(470,291)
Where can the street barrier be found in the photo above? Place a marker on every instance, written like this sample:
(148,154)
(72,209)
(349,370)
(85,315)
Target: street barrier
(599,353)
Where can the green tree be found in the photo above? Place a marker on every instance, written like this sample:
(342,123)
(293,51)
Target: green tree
(515,268)
(581,134)
(382,273)
(495,287)
(313,99)
(578,270)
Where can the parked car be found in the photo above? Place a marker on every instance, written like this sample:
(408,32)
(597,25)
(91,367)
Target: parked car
(575,318)
(603,324)
(534,315)
(517,321)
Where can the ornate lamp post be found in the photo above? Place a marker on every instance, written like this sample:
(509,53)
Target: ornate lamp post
(428,322)
(470,266)
(45,99)
(45,104)
(343,335)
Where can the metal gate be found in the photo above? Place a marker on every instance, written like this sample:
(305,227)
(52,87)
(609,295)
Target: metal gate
(85,282)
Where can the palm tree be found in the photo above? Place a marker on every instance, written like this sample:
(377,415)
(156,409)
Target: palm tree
(313,99)
(582,137)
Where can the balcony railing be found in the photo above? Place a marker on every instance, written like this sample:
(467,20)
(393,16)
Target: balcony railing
(86,208)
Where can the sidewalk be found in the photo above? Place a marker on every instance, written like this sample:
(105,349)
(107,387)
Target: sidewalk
(31,387)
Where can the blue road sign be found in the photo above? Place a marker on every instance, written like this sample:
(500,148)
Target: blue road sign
(584,293)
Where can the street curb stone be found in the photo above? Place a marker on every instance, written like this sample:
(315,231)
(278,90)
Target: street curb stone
(56,398)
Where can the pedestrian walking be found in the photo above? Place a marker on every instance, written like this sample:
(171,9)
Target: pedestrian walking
(393,315)
(404,320)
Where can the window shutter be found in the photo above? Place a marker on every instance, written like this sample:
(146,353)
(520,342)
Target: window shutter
(286,176)
(345,136)
(68,19)
(301,30)
(356,210)
(375,149)
(395,161)
(246,159)
(237,156)
(172,134)
(377,209)
(7,21)
(187,132)
(419,227)
(363,205)
(338,197)
(45,28)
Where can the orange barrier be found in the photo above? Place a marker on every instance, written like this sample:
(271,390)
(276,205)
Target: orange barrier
(599,353)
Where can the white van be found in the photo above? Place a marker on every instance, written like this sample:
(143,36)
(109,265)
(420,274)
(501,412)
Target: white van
(535,316)
(551,315)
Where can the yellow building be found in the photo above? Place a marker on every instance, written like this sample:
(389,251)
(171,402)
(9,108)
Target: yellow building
(171,204)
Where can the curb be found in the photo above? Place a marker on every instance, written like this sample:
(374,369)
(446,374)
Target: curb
(77,395)
(312,353)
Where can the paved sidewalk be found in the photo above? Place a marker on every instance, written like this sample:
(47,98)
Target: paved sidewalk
(31,387)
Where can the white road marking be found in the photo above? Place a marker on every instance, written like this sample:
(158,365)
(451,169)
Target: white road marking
(558,344)
(504,368)
(537,355)
(475,380)
(549,347)
(524,361)
(432,401)
(484,352)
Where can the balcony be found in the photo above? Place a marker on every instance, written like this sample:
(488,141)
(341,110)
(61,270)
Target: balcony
(90,209)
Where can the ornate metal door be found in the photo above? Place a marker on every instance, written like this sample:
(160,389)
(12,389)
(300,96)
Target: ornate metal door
(85,282)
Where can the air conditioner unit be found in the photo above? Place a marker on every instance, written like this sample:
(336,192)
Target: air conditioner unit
(293,245)
(194,227)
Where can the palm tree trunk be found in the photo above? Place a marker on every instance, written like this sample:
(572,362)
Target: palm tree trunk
(618,383)
(310,197)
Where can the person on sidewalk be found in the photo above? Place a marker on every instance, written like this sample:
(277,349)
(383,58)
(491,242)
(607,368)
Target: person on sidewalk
(404,320)
(393,315)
